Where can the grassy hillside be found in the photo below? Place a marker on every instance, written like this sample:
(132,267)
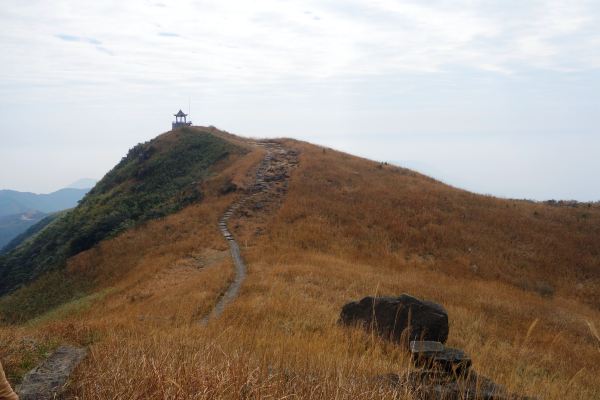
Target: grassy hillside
(520,281)
(155,179)
(394,217)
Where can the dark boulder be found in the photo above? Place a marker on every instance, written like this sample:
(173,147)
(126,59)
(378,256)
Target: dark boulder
(400,319)
(228,187)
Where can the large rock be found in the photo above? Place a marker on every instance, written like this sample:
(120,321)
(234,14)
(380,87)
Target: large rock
(400,319)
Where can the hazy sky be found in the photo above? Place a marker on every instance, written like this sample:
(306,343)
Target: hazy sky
(498,97)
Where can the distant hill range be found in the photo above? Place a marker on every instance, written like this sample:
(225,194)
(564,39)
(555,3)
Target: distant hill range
(21,210)
(13,225)
(13,202)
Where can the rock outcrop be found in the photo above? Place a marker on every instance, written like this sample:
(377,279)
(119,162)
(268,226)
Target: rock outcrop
(442,373)
(400,319)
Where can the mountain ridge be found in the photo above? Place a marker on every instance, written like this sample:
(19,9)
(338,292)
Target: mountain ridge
(519,280)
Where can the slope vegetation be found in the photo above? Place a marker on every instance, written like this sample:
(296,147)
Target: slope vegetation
(520,281)
(155,179)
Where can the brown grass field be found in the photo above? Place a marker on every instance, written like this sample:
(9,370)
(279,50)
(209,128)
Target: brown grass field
(520,280)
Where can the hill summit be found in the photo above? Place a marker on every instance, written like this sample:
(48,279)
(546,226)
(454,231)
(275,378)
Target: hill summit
(137,270)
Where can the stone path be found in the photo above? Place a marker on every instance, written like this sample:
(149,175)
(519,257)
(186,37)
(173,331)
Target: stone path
(271,182)
(47,380)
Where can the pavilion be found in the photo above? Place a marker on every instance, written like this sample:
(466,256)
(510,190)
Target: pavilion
(180,120)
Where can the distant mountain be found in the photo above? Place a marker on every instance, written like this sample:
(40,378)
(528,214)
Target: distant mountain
(32,230)
(21,210)
(14,203)
(84,183)
(13,225)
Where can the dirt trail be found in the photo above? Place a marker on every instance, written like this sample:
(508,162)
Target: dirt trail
(47,380)
(269,186)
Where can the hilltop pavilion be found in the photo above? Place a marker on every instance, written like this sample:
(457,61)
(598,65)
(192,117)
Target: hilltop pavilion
(180,120)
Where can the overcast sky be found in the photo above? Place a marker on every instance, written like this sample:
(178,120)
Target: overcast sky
(498,97)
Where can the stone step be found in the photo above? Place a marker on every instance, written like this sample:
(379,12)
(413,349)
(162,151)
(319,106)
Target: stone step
(425,347)
(47,380)
(432,354)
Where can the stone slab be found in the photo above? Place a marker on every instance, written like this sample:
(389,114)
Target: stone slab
(47,380)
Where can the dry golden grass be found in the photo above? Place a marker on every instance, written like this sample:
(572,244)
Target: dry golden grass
(347,228)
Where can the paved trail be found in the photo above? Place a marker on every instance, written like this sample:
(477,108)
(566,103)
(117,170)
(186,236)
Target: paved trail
(47,380)
(271,182)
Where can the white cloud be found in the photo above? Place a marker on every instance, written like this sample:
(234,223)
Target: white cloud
(271,40)
(274,67)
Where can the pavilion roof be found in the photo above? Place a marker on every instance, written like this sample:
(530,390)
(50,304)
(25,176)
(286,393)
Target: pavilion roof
(180,114)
